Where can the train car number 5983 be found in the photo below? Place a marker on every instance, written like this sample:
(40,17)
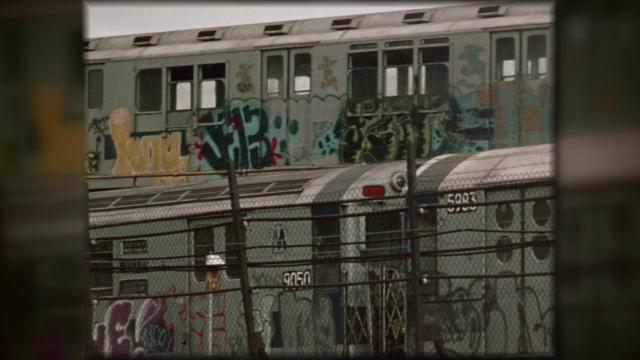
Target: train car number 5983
(462,200)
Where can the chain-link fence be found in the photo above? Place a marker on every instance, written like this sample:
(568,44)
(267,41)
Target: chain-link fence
(328,270)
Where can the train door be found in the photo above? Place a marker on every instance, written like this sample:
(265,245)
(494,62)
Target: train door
(387,300)
(275,64)
(327,301)
(204,315)
(299,105)
(98,143)
(286,98)
(520,86)
(501,296)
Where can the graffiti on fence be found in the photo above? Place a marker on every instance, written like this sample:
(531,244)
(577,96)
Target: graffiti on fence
(125,332)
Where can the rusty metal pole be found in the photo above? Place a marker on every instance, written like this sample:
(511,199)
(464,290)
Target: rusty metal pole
(244,271)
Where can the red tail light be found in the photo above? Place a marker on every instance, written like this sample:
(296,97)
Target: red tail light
(373,191)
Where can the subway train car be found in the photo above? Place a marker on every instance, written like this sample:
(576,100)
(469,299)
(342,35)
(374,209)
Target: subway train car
(327,252)
(319,91)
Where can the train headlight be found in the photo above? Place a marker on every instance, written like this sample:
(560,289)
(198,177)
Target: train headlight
(399,182)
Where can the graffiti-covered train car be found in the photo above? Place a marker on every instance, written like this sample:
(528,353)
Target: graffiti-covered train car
(319,91)
(327,254)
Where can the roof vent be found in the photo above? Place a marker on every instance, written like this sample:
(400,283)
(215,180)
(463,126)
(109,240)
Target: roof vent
(209,35)
(276,29)
(146,40)
(491,11)
(89,45)
(417,17)
(344,24)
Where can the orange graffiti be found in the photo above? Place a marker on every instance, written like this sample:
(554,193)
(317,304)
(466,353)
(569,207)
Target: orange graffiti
(148,154)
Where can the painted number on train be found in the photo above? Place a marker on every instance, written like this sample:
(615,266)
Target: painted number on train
(296,278)
(463,202)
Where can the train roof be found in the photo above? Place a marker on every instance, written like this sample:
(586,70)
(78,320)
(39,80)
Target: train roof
(353,28)
(446,172)
(487,168)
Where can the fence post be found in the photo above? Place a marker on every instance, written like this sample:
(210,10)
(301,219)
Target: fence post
(244,271)
(412,222)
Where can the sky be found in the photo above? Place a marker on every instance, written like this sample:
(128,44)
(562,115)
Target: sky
(119,18)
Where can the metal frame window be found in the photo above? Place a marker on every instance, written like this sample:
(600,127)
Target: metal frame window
(302,74)
(203,243)
(179,88)
(363,75)
(537,56)
(398,73)
(212,86)
(434,75)
(506,62)
(275,75)
(149,90)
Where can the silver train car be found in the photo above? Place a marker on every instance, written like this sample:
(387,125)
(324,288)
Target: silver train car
(325,252)
(318,91)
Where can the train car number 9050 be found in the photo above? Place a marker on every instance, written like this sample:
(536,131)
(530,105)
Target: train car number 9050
(296,278)
(462,201)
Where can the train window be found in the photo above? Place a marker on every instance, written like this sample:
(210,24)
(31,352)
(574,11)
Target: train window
(133,287)
(179,87)
(212,85)
(302,74)
(94,89)
(398,73)
(505,59)
(203,243)
(504,216)
(363,75)
(537,57)
(541,212)
(149,90)
(101,262)
(275,73)
(326,238)
(381,227)
(434,76)
(134,247)
(232,257)
(542,247)
(504,251)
